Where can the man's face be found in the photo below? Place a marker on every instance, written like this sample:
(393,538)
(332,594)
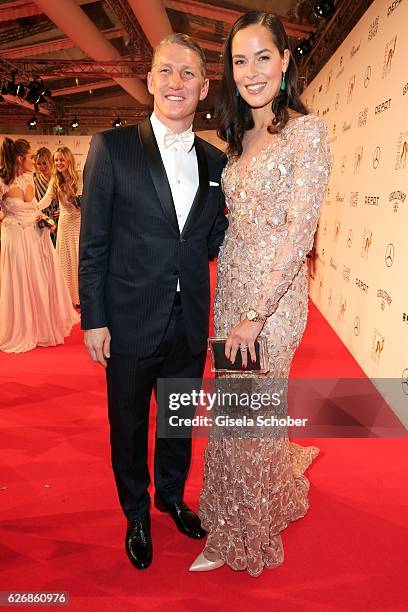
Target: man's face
(177,85)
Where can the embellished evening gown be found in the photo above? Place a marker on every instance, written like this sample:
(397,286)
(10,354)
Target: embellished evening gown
(35,306)
(255,486)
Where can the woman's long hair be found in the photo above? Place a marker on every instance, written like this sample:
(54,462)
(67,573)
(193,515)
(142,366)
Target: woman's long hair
(10,150)
(68,186)
(42,154)
(234,114)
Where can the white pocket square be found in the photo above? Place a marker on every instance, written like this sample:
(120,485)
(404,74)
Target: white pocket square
(213,184)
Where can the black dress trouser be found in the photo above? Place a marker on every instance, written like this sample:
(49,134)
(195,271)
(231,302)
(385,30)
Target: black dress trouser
(130,382)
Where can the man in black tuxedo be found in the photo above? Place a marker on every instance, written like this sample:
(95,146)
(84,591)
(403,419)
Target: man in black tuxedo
(152,217)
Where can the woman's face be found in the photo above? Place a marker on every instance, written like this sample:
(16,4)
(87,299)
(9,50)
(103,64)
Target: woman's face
(43,166)
(26,163)
(257,65)
(60,162)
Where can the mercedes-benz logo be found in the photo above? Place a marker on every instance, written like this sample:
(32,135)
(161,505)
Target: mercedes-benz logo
(389,255)
(356,326)
(376,157)
(404,381)
(350,238)
(367,76)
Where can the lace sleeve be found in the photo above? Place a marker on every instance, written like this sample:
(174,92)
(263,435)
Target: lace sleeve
(48,197)
(310,179)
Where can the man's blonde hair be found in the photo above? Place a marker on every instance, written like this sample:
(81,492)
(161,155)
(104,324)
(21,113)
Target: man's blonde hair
(184,41)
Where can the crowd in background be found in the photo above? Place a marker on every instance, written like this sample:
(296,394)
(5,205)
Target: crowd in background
(39,210)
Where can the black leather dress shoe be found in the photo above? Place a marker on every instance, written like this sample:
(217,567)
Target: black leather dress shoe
(185,519)
(138,541)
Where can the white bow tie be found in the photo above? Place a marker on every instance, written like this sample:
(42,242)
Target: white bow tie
(186,139)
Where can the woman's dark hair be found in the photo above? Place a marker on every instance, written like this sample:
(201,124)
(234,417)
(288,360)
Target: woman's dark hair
(10,150)
(234,114)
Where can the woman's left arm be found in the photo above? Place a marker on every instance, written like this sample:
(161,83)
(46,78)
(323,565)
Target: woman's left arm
(310,178)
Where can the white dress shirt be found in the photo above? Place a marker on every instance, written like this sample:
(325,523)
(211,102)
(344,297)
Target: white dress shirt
(182,172)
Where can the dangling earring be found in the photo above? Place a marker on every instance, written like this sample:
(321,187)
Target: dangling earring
(283,84)
(236,92)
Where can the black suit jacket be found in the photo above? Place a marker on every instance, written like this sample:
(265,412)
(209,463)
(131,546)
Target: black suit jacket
(131,249)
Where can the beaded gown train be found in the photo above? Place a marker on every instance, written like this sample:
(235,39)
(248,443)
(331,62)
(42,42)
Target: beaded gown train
(35,306)
(255,486)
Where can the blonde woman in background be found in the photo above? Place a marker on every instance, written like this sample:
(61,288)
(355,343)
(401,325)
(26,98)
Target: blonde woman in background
(42,176)
(65,185)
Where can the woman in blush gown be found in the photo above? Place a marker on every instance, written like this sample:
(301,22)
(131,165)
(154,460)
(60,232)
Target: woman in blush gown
(274,183)
(35,306)
(65,186)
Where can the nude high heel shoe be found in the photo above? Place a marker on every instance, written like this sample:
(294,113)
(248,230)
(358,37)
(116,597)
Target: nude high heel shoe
(201,564)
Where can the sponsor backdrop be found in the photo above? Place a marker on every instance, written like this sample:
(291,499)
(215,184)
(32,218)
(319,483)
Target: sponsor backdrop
(360,277)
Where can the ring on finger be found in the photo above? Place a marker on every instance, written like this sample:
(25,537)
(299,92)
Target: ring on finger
(243,347)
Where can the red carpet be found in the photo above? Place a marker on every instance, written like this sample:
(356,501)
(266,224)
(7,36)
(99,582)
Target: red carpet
(61,528)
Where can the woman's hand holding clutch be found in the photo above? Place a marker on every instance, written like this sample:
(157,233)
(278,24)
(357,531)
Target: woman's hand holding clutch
(242,337)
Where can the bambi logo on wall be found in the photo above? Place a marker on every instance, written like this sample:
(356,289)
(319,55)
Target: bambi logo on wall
(367,239)
(402,151)
(342,308)
(350,238)
(388,56)
(377,346)
(337,225)
(389,255)
(357,160)
(350,90)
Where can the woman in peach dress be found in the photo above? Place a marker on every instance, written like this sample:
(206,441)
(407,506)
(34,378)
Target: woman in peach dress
(65,186)
(274,184)
(35,307)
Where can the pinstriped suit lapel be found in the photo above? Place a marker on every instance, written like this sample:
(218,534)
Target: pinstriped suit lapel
(158,172)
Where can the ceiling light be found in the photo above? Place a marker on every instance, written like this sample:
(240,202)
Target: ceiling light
(32,123)
(20,91)
(324,9)
(208,116)
(117,122)
(303,48)
(75,123)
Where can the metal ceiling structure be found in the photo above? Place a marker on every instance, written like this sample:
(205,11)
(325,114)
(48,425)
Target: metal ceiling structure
(93,55)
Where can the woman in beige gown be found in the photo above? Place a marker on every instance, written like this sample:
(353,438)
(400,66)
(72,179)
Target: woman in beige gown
(274,183)
(65,186)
